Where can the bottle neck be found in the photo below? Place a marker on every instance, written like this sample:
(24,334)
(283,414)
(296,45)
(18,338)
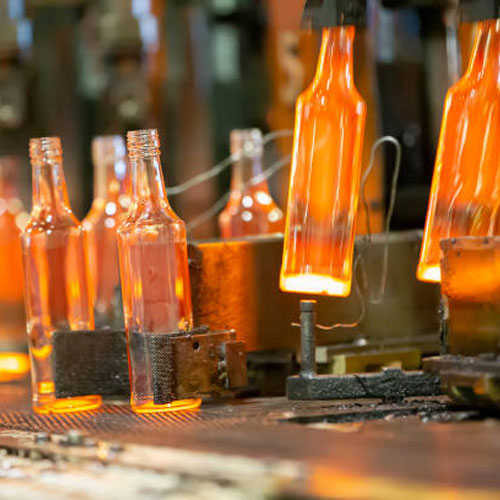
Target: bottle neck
(335,58)
(244,172)
(485,59)
(110,179)
(148,185)
(49,186)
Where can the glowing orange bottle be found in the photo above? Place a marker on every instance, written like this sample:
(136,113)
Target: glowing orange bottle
(14,363)
(465,191)
(55,275)
(154,271)
(324,182)
(250,209)
(111,202)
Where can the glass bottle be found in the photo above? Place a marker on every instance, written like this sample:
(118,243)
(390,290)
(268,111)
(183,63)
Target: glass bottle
(465,190)
(250,209)
(110,204)
(324,180)
(55,275)
(154,270)
(14,362)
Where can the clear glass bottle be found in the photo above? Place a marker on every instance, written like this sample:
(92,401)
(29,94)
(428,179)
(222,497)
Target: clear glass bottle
(154,270)
(250,209)
(110,204)
(55,275)
(14,362)
(324,180)
(465,193)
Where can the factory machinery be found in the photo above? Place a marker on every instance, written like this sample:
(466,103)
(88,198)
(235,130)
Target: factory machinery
(299,356)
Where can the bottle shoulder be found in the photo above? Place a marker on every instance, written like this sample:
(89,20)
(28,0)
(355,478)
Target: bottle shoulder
(321,96)
(42,220)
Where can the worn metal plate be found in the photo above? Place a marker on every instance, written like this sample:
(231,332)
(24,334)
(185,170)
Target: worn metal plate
(391,384)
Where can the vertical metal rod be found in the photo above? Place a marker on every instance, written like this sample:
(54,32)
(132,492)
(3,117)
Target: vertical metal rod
(308,337)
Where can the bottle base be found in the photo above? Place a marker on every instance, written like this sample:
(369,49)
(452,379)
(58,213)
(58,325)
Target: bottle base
(432,274)
(68,405)
(180,405)
(318,284)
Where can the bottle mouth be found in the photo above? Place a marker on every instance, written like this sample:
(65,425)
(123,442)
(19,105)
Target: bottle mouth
(246,143)
(45,150)
(143,144)
(108,148)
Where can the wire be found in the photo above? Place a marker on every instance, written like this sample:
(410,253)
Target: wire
(390,210)
(221,166)
(221,202)
(358,262)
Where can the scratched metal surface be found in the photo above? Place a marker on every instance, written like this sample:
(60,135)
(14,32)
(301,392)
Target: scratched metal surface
(347,449)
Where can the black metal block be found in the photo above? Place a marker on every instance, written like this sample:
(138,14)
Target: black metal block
(90,362)
(327,13)
(479,10)
(391,384)
(184,364)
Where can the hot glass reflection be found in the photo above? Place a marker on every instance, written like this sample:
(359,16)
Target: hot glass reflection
(154,270)
(55,275)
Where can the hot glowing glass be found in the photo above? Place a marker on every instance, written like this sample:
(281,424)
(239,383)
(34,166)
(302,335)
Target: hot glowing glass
(14,362)
(154,270)
(111,202)
(55,275)
(250,209)
(465,194)
(324,182)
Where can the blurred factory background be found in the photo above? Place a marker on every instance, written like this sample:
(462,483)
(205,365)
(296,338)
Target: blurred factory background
(196,69)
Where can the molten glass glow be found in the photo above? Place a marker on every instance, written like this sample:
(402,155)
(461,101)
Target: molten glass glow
(154,268)
(13,366)
(250,209)
(316,284)
(465,197)
(111,202)
(55,272)
(180,405)
(324,182)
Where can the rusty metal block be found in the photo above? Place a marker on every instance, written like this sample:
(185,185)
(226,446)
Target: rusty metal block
(186,364)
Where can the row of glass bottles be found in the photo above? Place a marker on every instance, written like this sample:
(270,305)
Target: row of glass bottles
(72,271)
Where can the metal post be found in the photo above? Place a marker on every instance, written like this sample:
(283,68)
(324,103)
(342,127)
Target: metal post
(308,337)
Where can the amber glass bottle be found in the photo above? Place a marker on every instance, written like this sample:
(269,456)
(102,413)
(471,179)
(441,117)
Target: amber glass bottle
(154,270)
(465,191)
(14,362)
(250,209)
(55,275)
(324,181)
(111,202)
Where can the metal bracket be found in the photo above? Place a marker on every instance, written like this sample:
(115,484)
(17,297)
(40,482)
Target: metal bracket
(390,384)
(187,364)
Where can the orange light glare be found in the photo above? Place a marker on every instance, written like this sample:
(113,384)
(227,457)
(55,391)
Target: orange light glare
(465,194)
(180,405)
(55,274)
(324,182)
(13,366)
(250,210)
